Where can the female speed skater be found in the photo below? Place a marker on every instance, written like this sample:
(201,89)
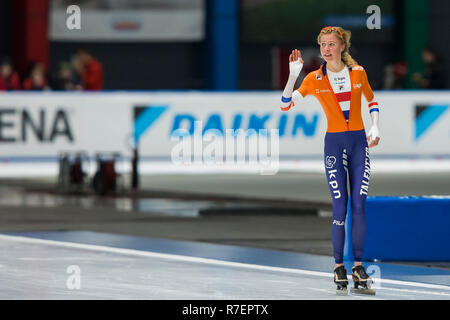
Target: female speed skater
(338,85)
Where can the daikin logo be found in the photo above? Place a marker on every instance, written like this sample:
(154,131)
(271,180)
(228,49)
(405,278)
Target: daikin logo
(145,117)
(295,125)
(426,116)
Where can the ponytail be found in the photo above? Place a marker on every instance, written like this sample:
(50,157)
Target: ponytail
(348,60)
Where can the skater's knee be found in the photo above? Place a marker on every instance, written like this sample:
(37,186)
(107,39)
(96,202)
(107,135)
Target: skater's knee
(357,208)
(339,213)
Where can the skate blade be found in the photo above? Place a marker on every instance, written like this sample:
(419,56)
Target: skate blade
(342,292)
(369,292)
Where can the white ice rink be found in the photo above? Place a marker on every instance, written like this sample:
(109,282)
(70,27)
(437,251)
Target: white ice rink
(38,267)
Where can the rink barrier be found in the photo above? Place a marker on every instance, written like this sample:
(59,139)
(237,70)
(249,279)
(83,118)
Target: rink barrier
(410,228)
(41,124)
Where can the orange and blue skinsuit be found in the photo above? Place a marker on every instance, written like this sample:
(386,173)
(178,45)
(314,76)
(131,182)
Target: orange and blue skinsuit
(346,152)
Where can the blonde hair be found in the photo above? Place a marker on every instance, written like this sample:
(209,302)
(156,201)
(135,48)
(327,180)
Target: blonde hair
(344,36)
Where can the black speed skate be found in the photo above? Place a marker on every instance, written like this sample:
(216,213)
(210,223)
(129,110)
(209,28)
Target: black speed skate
(362,282)
(341,280)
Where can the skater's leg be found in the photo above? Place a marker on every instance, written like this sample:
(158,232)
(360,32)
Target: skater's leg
(359,174)
(337,182)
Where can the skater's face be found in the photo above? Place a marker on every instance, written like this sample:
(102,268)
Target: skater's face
(331,47)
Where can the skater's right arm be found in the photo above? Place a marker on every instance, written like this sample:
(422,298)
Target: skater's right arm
(290,98)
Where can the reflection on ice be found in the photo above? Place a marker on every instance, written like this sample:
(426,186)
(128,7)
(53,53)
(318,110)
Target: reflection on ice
(16,197)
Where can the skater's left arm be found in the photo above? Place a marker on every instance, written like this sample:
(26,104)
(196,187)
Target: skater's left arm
(373,136)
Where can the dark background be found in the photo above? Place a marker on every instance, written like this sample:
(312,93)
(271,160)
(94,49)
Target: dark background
(185,65)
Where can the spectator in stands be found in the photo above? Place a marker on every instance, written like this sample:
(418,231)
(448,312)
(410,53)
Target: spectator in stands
(9,79)
(394,75)
(77,68)
(68,78)
(92,71)
(36,79)
(433,74)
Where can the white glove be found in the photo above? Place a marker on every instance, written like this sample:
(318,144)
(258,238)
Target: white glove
(295,68)
(373,137)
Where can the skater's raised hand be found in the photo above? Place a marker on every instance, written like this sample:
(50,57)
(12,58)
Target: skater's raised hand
(295,63)
(295,55)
